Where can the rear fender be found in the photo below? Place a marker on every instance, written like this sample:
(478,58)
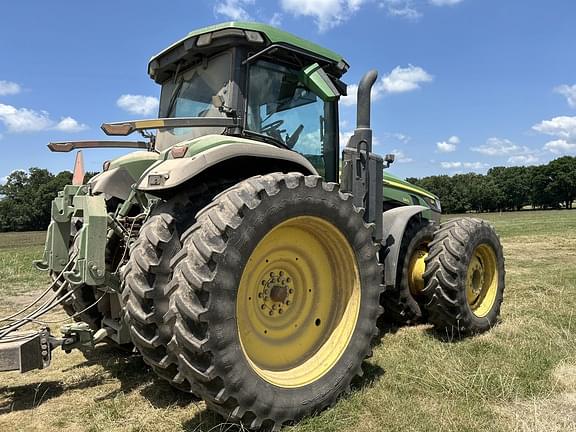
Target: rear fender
(395,222)
(121,174)
(172,173)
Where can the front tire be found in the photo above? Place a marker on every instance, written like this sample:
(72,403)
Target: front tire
(464,277)
(275,299)
(401,303)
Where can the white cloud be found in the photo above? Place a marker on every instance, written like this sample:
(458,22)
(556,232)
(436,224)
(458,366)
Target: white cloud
(403,138)
(24,119)
(233,9)
(27,120)
(138,104)
(444,2)
(449,145)
(497,147)
(402,9)
(400,80)
(501,147)
(275,20)
(527,159)
(560,147)
(401,157)
(562,127)
(9,88)
(68,124)
(326,13)
(569,92)
(468,165)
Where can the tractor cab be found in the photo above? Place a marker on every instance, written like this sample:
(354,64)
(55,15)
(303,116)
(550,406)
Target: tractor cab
(281,89)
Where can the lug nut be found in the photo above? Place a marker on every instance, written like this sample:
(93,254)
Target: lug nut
(271,313)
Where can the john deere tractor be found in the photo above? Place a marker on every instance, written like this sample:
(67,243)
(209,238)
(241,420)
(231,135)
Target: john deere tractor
(233,254)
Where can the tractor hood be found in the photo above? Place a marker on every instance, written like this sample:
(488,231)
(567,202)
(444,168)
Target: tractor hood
(397,182)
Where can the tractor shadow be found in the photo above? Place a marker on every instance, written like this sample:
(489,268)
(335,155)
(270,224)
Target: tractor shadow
(125,366)
(134,375)
(446,336)
(30,396)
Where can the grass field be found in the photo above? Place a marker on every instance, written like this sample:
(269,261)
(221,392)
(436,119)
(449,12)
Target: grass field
(521,376)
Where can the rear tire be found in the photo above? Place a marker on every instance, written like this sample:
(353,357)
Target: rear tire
(464,277)
(217,318)
(147,275)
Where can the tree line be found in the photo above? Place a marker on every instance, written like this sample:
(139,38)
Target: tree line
(25,197)
(549,186)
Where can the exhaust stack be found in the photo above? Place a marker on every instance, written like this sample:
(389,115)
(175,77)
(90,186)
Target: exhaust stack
(362,169)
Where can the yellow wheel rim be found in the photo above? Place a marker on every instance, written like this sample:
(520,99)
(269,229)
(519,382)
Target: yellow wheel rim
(482,280)
(298,301)
(416,268)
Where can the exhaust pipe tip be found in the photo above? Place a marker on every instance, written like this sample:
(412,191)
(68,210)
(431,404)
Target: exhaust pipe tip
(363,101)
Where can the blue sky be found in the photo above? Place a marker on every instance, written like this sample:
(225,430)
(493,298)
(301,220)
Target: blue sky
(464,84)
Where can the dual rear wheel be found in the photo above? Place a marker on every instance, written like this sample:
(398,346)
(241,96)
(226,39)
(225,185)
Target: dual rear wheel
(269,303)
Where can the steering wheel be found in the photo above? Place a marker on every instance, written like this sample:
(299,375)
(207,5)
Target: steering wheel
(272,127)
(273,130)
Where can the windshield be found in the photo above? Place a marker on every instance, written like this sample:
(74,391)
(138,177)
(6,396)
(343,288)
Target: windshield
(190,95)
(282,107)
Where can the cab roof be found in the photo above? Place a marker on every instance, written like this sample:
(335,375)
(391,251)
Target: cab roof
(270,34)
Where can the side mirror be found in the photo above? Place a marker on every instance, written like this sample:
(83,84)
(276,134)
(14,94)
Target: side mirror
(319,82)
(389,159)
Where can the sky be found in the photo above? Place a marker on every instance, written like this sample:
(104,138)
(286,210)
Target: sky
(463,85)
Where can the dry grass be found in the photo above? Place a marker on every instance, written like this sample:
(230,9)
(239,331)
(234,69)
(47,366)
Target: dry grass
(520,376)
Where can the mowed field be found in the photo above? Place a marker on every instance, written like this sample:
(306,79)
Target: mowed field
(521,376)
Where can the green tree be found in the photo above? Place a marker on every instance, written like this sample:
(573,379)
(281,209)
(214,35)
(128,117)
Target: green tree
(27,198)
(562,174)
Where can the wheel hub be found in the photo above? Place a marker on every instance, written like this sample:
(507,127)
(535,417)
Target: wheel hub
(476,277)
(276,293)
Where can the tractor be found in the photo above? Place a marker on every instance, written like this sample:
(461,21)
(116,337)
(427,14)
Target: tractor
(244,260)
